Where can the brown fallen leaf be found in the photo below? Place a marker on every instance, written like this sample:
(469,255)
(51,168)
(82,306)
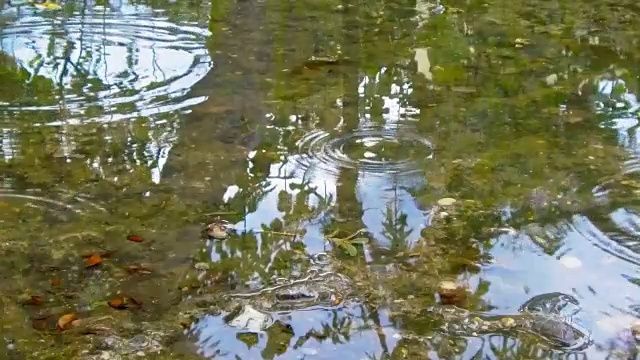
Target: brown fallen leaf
(117,303)
(93,260)
(122,303)
(55,282)
(64,322)
(135,238)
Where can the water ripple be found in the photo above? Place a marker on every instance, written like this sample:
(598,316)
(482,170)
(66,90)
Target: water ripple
(371,150)
(57,204)
(106,66)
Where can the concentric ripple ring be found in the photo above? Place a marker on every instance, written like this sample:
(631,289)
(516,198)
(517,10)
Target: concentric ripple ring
(103,66)
(396,150)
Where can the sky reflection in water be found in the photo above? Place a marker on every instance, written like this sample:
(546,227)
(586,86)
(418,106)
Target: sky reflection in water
(129,61)
(589,264)
(148,69)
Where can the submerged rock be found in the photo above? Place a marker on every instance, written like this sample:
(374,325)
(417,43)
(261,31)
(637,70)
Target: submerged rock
(547,316)
(452,293)
(116,347)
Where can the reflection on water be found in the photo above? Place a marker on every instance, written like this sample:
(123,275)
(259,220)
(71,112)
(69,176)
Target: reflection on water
(97,64)
(365,149)
(453,147)
(108,64)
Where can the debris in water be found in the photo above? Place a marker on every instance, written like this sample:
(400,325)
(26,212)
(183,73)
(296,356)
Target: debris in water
(93,260)
(64,322)
(122,303)
(135,238)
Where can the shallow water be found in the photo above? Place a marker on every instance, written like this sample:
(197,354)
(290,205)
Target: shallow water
(393,144)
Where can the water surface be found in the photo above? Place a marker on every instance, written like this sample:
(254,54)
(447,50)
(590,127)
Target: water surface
(394,145)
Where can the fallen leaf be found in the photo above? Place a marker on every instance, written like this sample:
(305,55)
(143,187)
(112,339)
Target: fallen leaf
(135,238)
(117,303)
(93,260)
(64,322)
(122,303)
(55,282)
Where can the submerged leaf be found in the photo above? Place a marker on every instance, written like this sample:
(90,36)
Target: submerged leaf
(135,238)
(117,303)
(93,260)
(64,322)
(122,303)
